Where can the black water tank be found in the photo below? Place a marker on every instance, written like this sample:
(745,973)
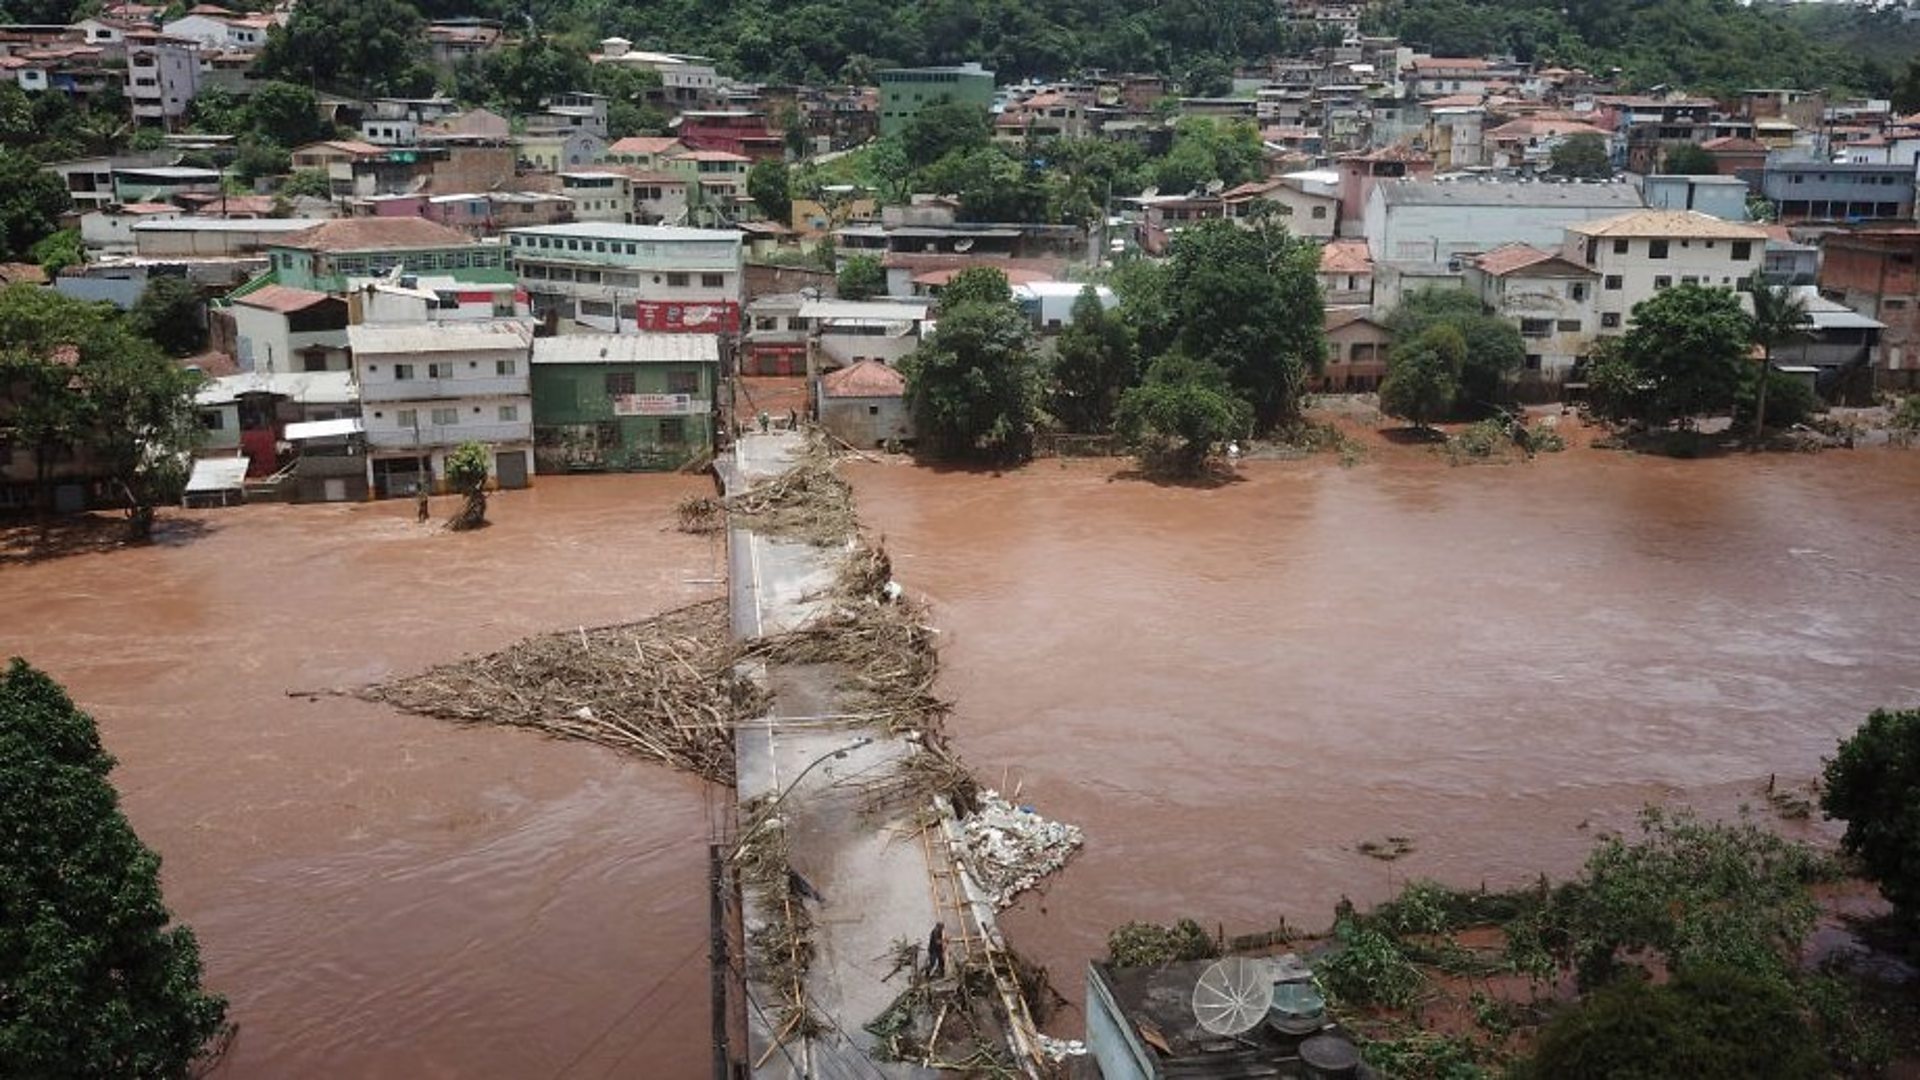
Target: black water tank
(1330,1057)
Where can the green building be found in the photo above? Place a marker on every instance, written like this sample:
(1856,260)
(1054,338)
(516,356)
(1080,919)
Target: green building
(904,91)
(623,401)
(322,258)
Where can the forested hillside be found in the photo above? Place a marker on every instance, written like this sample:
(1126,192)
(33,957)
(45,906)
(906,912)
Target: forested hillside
(1698,44)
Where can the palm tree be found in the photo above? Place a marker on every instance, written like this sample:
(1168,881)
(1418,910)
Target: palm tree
(1778,317)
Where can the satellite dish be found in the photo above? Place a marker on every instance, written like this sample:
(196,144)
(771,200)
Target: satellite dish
(1150,193)
(963,244)
(1215,187)
(1233,995)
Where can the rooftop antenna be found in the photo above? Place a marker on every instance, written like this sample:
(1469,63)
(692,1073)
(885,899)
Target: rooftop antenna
(1233,995)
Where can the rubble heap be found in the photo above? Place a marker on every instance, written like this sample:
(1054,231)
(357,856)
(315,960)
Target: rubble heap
(1010,848)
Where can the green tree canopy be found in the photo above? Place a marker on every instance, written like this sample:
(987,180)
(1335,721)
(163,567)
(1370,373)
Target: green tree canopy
(1423,374)
(120,399)
(943,128)
(976,285)
(1714,1023)
(285,113)
(861,277)
(1687,159)
(769,185)
(524,75)
(1873,784)
(1206,150)
(1180,411)
(1095,360)
(1779,316)
(1689,344)
(361,46)
(93,981)
(310,182)
(973,386)
(1248,302)
(31,202)
(57,251)
(1495,350)
(172,314)
(1582,155)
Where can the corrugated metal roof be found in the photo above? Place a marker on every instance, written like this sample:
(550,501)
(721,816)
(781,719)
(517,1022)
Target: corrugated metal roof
(876,310)
(218,474)
(627,349)
(616,231)
(487,335)
(315,387)
(323,429)
(1509,193)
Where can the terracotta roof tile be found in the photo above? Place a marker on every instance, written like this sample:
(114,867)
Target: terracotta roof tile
(377,234)
(281,298)
(1346,257)
(863,379)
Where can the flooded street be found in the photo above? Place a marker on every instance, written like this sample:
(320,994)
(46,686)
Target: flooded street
(379,894)
(1231,689)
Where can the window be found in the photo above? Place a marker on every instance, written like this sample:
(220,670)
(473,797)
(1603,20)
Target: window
(446,417)
(1568,326)
(873,410)
(1613,281)
(677,280)
(1536,327)
(619,382)
(1577,290)
(406,418)
(1610,320)
(509,412)
(1891,304)
(1533,361)
(713,281)
(1689,279)
(683,382)
(504,367)
(1619,247)
(403,372)
(1663,282)
(313,361)
(213,421)
(1319,213)
(1742,250)
(1656,249)
(441,370)
(673,432)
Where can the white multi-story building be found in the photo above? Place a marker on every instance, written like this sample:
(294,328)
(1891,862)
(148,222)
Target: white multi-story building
(1639,254)
(163,75)
(1544,294)
(619,277)
(426,388)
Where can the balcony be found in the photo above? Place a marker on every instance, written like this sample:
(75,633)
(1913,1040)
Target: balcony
(383,387)
(442,435)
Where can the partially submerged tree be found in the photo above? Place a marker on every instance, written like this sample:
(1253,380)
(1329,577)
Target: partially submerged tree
(1779,316)
(862,278)
(1423,375)
(1495,351)
(467,476)
(1182,410)
(1689,344)
(1095,360)
(93,980)
(1248,301)
(973,385)
(1873,784)
(94,387)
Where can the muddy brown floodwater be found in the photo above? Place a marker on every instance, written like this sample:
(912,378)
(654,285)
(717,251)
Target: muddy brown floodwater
(384,895)
(1230,689)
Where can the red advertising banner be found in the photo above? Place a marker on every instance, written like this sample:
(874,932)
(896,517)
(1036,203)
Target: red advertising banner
(687,317)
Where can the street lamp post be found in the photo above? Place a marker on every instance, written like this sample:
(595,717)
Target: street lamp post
(767,813)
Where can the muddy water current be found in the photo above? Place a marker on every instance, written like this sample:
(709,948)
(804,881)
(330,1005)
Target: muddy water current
(1229,689)
(384,895)
(1232,689)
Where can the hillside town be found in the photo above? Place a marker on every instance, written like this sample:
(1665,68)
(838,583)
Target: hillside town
(1006,503)
(712,246)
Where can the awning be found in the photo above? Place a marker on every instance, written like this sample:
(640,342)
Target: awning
(323,429)
(218,474)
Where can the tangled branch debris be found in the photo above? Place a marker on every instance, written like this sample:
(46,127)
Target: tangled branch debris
(808,502)
(663,688)
(781,947)
(701,514)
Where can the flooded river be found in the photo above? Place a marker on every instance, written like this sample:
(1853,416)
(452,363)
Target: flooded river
(1231,689)
(383,895)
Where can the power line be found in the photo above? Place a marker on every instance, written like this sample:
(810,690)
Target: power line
(631,1010)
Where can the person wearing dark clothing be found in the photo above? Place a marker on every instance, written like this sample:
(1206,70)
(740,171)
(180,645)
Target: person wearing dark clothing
(937,951)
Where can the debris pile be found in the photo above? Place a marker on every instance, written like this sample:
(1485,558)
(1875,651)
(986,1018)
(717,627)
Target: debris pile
(1010,848)
(663,688)
(701,514)
(808,502)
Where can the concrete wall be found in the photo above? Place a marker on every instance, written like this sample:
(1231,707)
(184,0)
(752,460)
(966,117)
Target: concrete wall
(866,421)
(1437,233)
